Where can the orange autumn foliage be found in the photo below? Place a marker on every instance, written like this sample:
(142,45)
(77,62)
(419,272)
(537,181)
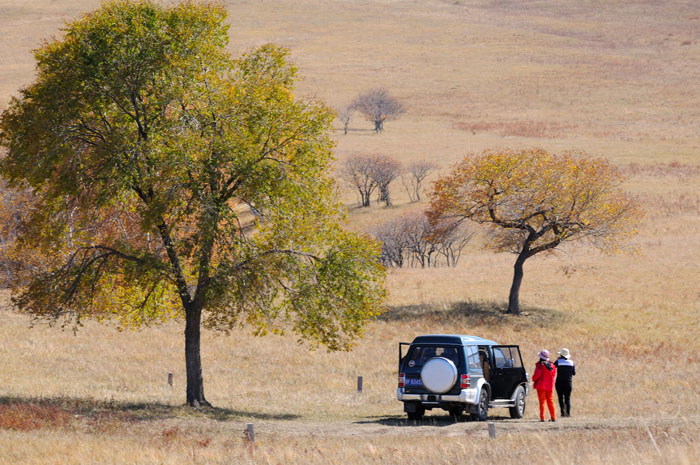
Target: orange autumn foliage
(535,200)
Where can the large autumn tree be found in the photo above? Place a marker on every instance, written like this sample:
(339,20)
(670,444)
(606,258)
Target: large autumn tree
(171,180)
(534,201)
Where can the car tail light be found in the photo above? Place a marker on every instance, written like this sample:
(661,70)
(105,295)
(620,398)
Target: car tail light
(465,381)
(402,379)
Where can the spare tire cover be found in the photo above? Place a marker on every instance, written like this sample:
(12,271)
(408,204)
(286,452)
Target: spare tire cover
(439,375)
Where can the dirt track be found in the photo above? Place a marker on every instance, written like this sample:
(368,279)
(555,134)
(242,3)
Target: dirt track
(444,426)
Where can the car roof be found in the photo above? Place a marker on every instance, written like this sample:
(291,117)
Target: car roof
(453,339)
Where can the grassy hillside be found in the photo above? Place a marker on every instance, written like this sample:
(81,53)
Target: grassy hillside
(616,79)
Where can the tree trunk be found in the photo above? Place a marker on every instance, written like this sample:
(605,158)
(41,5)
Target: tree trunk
(193,361)
(378,125)
(193,319)
(365,198)
(514,298)
(385,196)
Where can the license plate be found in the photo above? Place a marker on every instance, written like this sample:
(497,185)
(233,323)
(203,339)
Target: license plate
(414,382)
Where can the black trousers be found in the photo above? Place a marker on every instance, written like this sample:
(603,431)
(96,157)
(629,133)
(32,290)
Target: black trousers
(564,395)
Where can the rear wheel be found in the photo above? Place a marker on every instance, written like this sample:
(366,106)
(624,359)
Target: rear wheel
(518,410)
(456,412)
(483,406)
(417,415)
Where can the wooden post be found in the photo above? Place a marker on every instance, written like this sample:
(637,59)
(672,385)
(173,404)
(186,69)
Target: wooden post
(492,430)
(250,433)
(359,384)
(170,379)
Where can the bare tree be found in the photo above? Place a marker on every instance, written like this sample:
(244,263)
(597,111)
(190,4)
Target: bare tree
(384,171)
(358,172)
(418,234)
(345,116)
(413,241)
(414,175)
(392,235)
(451,237)
(378,106)
(367,173)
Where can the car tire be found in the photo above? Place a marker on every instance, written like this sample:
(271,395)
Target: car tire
(417,415)
(518,410)
(482,406)
(456,413)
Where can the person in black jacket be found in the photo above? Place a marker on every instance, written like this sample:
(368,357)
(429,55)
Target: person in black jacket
(565,381)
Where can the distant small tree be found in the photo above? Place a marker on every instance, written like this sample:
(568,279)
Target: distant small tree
(414,175)
(378,106)
(418,234)
(345,116)
(394,239)
(385,169)
(411,239)
(367,173)
(534,201)
(451,237)
(358,173)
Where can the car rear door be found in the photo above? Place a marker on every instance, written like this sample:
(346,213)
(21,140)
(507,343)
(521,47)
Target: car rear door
(507,370)
(419,354)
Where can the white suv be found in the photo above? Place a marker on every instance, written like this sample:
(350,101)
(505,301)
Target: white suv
(460,373)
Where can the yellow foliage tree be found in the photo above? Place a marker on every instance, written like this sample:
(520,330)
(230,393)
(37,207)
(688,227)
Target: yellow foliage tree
(170,180)
(535,200)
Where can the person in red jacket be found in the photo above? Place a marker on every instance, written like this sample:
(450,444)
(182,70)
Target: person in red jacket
(543,382)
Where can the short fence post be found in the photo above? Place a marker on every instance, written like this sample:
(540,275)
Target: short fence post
(359,384)
(492,430)
(170,379)
(250,434)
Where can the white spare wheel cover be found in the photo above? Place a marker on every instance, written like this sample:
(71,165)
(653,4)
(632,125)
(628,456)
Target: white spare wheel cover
(439,375)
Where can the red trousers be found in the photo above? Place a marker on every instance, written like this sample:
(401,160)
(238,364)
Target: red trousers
(546,396)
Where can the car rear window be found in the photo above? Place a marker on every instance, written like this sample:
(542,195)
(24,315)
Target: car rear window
(421,354)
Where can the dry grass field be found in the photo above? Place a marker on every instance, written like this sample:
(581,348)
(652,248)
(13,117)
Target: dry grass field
(617,79)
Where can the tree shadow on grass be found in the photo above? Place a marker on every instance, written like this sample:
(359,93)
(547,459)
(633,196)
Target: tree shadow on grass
(137,411)
(474,313)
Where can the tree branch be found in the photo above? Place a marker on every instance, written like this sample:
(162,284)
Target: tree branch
(245,263)
(180,281)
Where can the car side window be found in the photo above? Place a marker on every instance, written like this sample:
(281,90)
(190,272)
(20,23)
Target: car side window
(473,360)
(499,358)
(507,357)
(513,357)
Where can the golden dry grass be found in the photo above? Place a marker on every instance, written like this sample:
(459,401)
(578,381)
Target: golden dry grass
(616,79)
(642,446)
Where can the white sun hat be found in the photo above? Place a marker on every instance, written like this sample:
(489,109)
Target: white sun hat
(565,353)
